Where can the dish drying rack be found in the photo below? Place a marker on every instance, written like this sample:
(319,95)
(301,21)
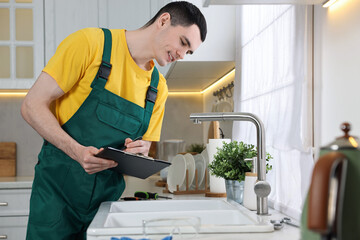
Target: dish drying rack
(187,188)
(206,189)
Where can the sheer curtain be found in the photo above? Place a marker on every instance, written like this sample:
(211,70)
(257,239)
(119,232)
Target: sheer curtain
(273,81)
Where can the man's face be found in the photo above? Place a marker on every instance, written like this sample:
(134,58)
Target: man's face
(173,42)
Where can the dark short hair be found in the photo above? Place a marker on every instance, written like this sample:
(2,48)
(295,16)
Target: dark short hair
(184,14)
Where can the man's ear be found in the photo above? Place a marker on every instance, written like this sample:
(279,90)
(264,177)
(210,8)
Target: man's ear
(164,19)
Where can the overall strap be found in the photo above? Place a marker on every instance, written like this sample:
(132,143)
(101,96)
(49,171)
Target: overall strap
(151,97)
(152,91)
(105,66)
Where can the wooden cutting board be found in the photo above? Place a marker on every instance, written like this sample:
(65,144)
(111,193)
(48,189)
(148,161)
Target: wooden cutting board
(7,159)
(214,131)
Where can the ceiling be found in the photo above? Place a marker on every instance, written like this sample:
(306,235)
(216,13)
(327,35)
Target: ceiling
(190,76)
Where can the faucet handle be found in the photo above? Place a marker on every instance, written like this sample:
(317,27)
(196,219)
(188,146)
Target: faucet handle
(262,189)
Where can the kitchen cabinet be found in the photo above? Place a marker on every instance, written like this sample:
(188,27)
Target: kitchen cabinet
(213,59)
(21,43)
(67,16)
(14,206)
(219,44)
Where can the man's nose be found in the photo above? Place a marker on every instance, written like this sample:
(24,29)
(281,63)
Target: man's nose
(181,53)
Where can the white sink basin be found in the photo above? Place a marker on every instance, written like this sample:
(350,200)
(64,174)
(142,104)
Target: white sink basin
(216,216)
(169,205)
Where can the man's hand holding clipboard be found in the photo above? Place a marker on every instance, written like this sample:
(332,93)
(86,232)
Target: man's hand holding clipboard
(131,162)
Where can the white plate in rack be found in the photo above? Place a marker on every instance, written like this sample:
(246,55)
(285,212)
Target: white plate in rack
(176,173)
(200,167)
(205,154)
(190,166)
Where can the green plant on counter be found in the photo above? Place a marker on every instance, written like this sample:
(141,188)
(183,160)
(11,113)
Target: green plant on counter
(229,161)
(196,147)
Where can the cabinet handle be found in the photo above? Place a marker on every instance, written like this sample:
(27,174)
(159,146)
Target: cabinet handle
(3,204)
(3,236)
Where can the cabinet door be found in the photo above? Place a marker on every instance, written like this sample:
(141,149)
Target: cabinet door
(21,43)
(219,44)
(127,14)
(65,17)
(14,202)
(13,228)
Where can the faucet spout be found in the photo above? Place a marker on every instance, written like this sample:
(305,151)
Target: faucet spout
(262,189)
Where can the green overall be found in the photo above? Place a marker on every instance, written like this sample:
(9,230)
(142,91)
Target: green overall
(65,198)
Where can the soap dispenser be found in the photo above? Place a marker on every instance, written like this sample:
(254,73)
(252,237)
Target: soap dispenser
(250,180)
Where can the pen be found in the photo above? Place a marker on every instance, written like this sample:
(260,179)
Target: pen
(138,138)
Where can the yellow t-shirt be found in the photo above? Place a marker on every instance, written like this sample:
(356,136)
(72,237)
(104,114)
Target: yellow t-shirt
(75,65)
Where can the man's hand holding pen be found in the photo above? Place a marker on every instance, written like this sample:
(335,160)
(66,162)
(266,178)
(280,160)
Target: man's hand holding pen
(137,145)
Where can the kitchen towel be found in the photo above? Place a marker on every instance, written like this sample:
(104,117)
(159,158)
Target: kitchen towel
(249,194)
(217,185)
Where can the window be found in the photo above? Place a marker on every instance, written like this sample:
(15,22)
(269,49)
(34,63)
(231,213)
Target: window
(274,82)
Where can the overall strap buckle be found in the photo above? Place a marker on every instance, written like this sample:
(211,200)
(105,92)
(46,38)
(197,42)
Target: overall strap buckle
(151,94)
(104,70)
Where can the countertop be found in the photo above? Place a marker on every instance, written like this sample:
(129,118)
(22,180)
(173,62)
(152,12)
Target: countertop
(134,184)
(16,182)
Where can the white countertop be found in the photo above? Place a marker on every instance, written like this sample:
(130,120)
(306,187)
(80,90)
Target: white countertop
(286,233)
(16,182)
(134,184)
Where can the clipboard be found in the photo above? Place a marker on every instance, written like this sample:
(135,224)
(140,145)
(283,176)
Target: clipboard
(135,165)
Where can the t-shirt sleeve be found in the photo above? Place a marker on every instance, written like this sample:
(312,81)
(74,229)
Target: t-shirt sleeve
(70,61)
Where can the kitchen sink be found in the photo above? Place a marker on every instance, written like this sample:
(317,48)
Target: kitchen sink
(163,216)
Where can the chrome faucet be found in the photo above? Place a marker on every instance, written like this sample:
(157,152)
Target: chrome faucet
(262,188)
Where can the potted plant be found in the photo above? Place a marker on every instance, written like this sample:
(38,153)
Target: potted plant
(229,163)
(196,148)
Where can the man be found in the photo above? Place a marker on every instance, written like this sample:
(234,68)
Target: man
(100,89)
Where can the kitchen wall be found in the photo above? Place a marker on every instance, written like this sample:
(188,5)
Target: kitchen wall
(177,124)
(14,129)
(210,100)
(336,69)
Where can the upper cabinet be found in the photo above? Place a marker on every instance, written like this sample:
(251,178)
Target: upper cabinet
(67,16)
(21,43)
(243,2)
(219,44)
(213,59)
